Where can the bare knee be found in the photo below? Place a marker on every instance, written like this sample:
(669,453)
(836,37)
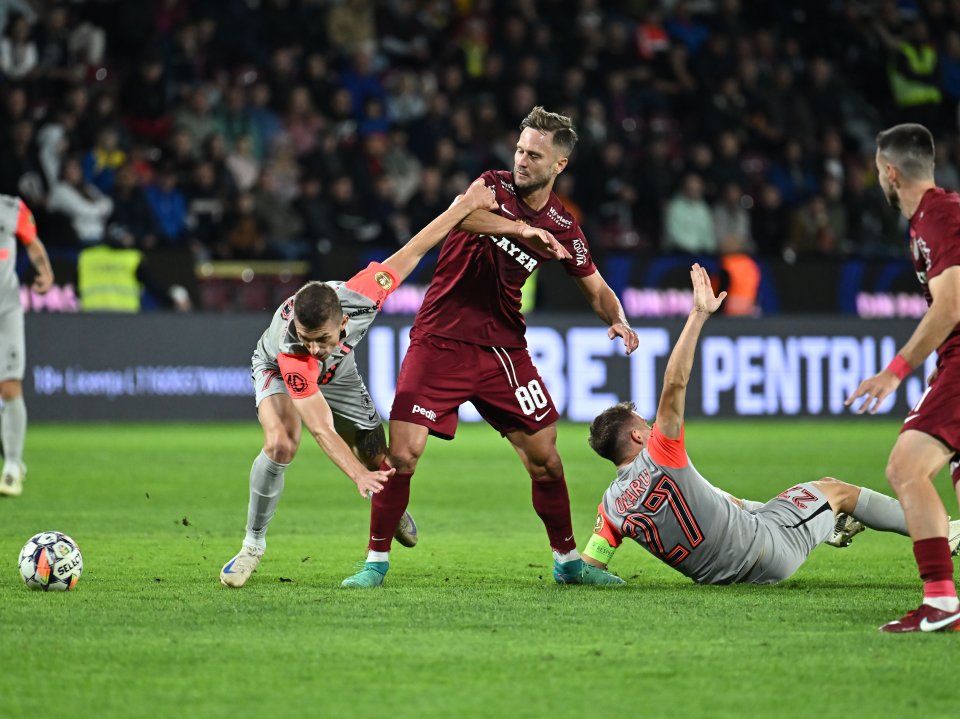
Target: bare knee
(405,457)
(841,495)
(10,389)
(281,447)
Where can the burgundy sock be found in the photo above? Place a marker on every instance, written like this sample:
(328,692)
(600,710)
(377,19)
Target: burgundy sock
(386,509)
(552,504)
(936,567)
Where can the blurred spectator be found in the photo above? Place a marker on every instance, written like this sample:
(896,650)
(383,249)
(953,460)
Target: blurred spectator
(197,119)
(769,222)
(169,207)
(913,72)
(731,222)
(87,207)
(18,51)
(302,121)
(266,123)
(810,230)
(145,100)
(688,226)
(315,215)
(20,169)
(244,238)
(243,165)
(280,222)
(131,223)
(206,206)
(792,174)
(234,121)
(100,165)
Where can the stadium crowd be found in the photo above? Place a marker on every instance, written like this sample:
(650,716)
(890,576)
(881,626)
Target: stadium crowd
(285,129)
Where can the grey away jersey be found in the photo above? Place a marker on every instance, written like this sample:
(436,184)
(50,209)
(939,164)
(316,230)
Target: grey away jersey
(360,298)
(16,222)
(682,519)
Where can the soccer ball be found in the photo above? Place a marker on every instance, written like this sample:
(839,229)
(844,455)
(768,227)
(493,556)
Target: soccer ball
(51,561)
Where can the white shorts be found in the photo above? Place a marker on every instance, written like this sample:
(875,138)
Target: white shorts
(347,395)
(13,355)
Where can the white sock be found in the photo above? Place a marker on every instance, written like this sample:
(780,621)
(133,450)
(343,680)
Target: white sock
(946,604)
(566,557)
(378,556)
(266,486)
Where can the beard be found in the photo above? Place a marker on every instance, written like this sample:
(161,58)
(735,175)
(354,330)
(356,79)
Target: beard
(533,184)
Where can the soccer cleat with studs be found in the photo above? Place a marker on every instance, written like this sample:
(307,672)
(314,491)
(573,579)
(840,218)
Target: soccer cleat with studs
(370,575)
(11,482)
(238,570)
(925,618)
(579,572)
(844,530)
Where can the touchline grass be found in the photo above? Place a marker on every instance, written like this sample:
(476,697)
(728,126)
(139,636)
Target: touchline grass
(470,622)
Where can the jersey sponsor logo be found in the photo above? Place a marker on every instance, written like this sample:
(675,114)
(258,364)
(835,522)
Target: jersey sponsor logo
(580,251)
(384,280)
(508,186)
(296,382)
(428,413)
(920,249)
(559,219)
(529,263)
(361,311)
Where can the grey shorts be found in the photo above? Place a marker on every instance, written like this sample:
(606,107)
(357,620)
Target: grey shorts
(13,356)
(792,524)
(347,395)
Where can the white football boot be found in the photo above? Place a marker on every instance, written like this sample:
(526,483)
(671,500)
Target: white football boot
(237,571)
(844,530)
(11,481)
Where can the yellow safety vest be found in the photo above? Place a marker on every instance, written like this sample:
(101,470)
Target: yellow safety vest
(908,92)
(107,279)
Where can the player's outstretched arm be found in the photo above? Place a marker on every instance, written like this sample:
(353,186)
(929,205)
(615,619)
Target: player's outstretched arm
(41,263)
(482,222)
(677,375)
(477,197)
(318,419)
(606,304)
(941,319)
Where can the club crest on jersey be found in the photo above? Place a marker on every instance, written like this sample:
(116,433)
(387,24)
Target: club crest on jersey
(296,382)
(287,311)
(384,280)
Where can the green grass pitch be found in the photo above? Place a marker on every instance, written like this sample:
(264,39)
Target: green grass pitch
(470,623)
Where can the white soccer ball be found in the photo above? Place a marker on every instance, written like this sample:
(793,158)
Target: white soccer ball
(51,561)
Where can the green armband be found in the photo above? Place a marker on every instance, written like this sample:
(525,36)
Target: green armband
(599,549)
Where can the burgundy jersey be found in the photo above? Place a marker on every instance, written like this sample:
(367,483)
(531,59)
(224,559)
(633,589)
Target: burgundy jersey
(935,246)
(475,292)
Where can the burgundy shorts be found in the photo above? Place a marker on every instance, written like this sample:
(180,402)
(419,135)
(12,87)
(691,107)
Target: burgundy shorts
(438,375)
(937,412)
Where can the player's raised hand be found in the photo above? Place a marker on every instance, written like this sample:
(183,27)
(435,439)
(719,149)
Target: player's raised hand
(371,483)
(875,389)
(703,298)
(479,197)
(546,241)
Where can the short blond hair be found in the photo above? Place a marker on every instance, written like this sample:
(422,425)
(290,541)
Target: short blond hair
(564,135)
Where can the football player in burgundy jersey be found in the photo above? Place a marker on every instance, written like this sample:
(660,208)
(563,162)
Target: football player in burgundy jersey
(930,436)
(467,344)
(16,227)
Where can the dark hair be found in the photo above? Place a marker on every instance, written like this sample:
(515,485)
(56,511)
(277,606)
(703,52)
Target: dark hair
(316,304)
(564,136)
(909,148)
(610,429)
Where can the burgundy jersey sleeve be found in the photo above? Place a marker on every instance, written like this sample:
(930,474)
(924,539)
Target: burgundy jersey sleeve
(580,263)
(941,230)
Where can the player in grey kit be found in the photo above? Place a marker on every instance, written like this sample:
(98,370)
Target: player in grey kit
(16,224)
(660,500)
(305,372)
